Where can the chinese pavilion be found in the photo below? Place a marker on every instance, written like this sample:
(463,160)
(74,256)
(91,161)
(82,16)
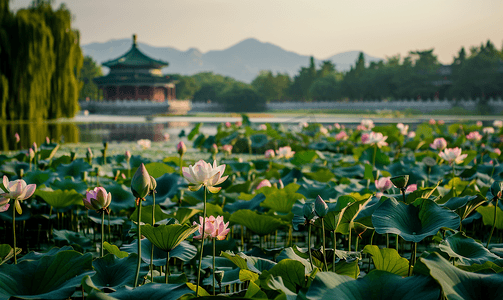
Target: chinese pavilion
(135,76)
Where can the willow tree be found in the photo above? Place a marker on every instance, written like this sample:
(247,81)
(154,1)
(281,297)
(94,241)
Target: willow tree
(41,59)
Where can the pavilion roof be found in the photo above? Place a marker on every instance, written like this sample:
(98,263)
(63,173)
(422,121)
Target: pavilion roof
(135,58)
(132,78)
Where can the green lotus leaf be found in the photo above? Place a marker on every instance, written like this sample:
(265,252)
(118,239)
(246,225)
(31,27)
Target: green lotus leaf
(346,222)
(50,277)
(459,284)
(60,198)
(122,198)
(7,252)
(251,263)
(74,169)
(38,255)
(239,187)
(388,260)
(47,151)
(466,250)
(194,131)
(168,185)
(261,164)
(114,250)
(39,177)
(465,205)
(183,252)
(167,237)
(292,272)
(72,237)
(282,200)
(488,267)
(69,183)
(376,285)
(158,169)
(153,291)
(260,224)
(304,157)
(413,223)
(253,204)
(146,214)
(242,167)
(259,140)
(113,272)
(13,167)
(487,213)
(298,255)
(183,214)
(96,218)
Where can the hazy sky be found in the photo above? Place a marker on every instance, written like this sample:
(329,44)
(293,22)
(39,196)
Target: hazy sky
(320,28)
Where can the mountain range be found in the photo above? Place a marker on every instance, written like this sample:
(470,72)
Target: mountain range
(242,61)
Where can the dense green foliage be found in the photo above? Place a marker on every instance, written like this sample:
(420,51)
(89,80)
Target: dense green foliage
(41,60)
(90,69)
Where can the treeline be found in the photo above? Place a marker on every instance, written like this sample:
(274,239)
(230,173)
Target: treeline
(419,75)
(41,59)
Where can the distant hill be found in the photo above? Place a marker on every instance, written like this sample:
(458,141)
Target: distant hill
(243,61)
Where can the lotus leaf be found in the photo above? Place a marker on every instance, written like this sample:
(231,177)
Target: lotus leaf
(376,285)
(466,250)
(74,169)
(487,213)
(459,284)
(115,250)
(72,237)
(260,224)
(69,183)
(167,237)
(113,272)
(60,198)
(146,214)
(50,277)
(388,260)
(153,291)
(413,223)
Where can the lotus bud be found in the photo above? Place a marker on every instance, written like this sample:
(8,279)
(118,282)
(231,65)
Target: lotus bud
(181,148)
(73,155)
(21,173)
(16,136)
(497,189)
(214,149)
(320,207)
(153,184)
(97,199)
(400,181)
(281,185)
(140,184)
(31,154)
(89,155)
(105,145)
(219,276)
(308,210)
(84,176)
(34,147)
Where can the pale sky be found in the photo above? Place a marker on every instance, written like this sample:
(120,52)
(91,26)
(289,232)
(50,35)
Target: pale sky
(321,28)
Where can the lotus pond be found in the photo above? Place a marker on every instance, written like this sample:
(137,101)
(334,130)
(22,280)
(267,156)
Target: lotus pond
(371,212)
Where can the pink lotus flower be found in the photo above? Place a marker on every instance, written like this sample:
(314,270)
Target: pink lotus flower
(214,228)
(16,136)
(269,153)
(479,124)
(412,134)
(227,149)
(262,127)
(303,124)
(432,122)
(203,173)
(439,144)
(16,191)
(441,122)
(228,124)
(181,148)
(323,130)
(374,138)
(383,184)
(474,136)
(488,130)
(341,136)
(263,183)
(97,199)
(166,136)
(127,155)
(367,124)
(411,188)
(403,128)
(498,123)
(285,152)
(47,140)
(453,155)
(144,143)
(239,123)
(337,126)
(497,151)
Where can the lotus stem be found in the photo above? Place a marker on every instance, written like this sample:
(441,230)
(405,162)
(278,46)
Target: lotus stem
(202,244)
(309,245)
(180,161)
(387,240)
(109,235)
(324,249)
(166,274)
(412,257)
(349,242)
(102,232)
(14,230)
(139,245)
(335,247)
(494,223)
(152,245)
(214,293)
(356,243)
(374,157)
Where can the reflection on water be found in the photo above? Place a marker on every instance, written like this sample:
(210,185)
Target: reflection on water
(92,132)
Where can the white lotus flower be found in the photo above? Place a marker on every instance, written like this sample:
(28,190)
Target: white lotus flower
(203,173)
(453,155)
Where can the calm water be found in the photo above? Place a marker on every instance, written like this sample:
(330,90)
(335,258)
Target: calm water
(97,128)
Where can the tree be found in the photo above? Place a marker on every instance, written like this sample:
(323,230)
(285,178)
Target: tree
(186,86)
(271,87)
(90,70)
(324,88)
(241,97)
